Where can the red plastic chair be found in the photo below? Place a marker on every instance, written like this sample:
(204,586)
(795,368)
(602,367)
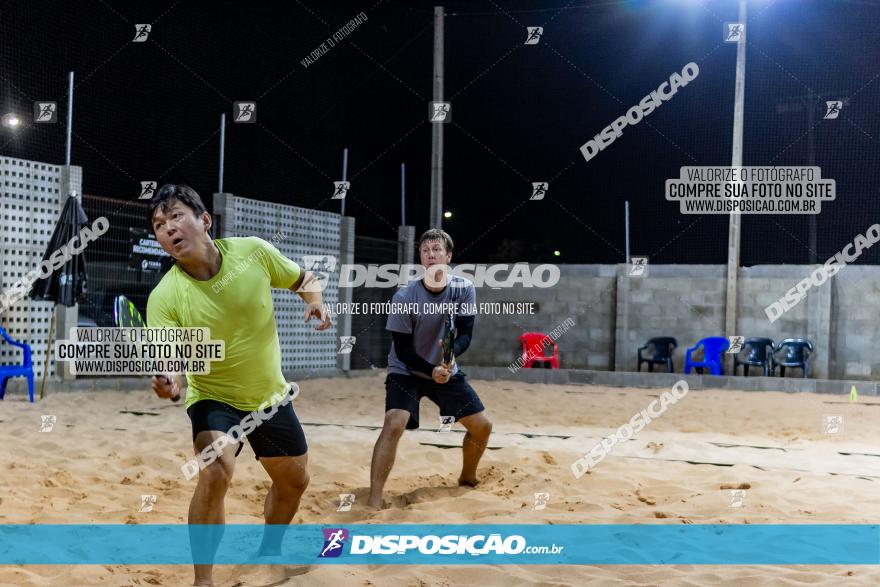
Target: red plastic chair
(534,343)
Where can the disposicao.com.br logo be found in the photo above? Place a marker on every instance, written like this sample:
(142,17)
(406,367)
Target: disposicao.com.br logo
(449,544)
(498,275)
(334,541)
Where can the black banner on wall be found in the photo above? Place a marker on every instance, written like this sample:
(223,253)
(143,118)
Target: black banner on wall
(146,252)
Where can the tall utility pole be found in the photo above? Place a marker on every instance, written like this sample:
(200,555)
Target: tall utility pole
(403,194)
(736,161)
(436,214)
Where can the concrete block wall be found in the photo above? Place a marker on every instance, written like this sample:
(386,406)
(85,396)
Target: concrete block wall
(855,316)
(615,314)
(764,284)
(585,293)
(685,302)
(32,195)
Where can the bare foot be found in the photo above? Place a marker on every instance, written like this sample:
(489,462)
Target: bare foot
(468,481)
(376,504)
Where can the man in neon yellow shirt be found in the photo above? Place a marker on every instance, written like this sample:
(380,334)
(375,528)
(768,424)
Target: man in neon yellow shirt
(225,285)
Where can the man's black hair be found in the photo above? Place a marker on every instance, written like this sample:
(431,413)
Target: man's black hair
(184,194)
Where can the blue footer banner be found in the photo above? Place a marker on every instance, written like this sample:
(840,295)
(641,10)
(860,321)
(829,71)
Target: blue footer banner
(428,544)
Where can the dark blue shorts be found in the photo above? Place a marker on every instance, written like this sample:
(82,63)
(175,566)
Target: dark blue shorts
(455,398)
(279,436)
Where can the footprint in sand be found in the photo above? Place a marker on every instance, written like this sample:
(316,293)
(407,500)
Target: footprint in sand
(663,515)
(643,499)
(655,446)
(736,485)
(60,479)
(169,483)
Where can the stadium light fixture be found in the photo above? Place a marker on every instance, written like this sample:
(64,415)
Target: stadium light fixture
(11,121)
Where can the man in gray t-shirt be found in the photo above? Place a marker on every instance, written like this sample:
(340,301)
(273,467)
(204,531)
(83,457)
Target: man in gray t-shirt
(424,315)
(416,368)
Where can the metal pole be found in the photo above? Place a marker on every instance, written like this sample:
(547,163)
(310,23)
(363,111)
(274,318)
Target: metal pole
(66,176)
(625,284)
(436,211)
(222,151)
(344,178)
(69,117)
(403,194)
(48,349)
(811,148)
(736,161)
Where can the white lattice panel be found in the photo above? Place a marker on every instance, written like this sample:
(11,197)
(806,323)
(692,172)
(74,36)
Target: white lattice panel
(308,232)
(30,201)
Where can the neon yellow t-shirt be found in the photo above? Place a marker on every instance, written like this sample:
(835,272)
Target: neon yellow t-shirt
(236,304)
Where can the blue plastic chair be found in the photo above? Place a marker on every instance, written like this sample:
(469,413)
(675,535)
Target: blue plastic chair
(26,369)
(714,348)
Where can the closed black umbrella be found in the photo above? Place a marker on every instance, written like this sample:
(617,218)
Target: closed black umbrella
(66,282)
(66,285)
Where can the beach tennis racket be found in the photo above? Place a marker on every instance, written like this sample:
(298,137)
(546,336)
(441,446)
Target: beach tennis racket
(126,315)
(448,338)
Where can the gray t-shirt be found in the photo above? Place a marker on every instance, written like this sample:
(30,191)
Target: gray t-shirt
(417,311)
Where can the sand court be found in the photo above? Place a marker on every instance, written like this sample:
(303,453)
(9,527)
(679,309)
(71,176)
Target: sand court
(725,457)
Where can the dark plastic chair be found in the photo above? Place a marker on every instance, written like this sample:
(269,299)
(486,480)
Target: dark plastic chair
(796,353)
(663,347)
(757,355)
(26,369)
(713,349)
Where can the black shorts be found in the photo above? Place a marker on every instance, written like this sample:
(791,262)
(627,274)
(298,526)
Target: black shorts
(455,398)
(279,436)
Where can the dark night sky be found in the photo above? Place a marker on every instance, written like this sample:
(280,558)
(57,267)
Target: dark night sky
(151,111)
